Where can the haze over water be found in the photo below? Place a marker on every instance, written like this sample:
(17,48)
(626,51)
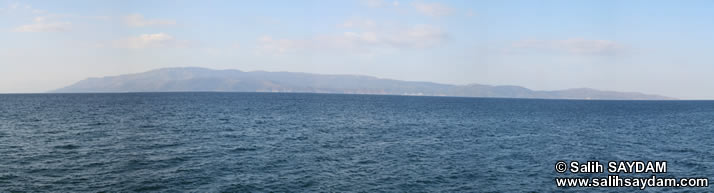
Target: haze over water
(261,142)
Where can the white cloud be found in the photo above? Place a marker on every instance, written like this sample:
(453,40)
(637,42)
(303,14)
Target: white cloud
(45,27)
(420,36)
(379,3)
(16,7)
(40,19)
(38,11)
(356,23)
(584,46)
(138,20)
(42,24)
(99,17)
(433,9)
(268,45)
(364,40)
(374,3)
(157,40)
(573,46)
(366,37)
(470,13)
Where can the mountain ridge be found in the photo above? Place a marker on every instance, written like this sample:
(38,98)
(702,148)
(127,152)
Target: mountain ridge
(197,79)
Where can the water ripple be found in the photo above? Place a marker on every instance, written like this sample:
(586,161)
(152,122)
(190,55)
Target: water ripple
(262,142)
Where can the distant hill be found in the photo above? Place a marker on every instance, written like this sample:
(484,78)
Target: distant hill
(192,79)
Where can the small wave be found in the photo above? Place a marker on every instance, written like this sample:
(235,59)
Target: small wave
(96,124)
(8,177)
(244,149)
(68,146)
(34,120)
(367,162)
(681,150)
(150,188)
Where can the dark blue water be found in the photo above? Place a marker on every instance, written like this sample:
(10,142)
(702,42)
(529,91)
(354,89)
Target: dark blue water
(261,142)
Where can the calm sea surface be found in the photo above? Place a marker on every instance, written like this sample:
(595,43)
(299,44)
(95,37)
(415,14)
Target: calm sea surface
(262,142)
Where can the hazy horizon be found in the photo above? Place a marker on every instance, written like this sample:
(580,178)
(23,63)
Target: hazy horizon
(652,47)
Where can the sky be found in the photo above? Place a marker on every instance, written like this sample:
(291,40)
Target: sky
(654,47)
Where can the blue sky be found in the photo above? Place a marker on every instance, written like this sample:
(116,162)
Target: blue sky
(656,47)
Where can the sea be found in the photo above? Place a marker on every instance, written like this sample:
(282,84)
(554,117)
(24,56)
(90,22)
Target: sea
(298,142)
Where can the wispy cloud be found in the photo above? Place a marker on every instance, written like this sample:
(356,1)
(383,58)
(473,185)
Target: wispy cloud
(157,40)
(379,3)
(44,27)
(573,46)
(138,20)
(433,9)
(420,36)
(373,3)
(14,5)
(469,13)
(366,37)
(42,24)
(359,23)
(21,8)
(39,11)
(43,21)
(268,45)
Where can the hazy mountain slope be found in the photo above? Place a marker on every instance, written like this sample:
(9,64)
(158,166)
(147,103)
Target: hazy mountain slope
(202,79)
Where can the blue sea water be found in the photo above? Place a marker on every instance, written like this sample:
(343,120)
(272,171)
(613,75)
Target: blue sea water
(278,142)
